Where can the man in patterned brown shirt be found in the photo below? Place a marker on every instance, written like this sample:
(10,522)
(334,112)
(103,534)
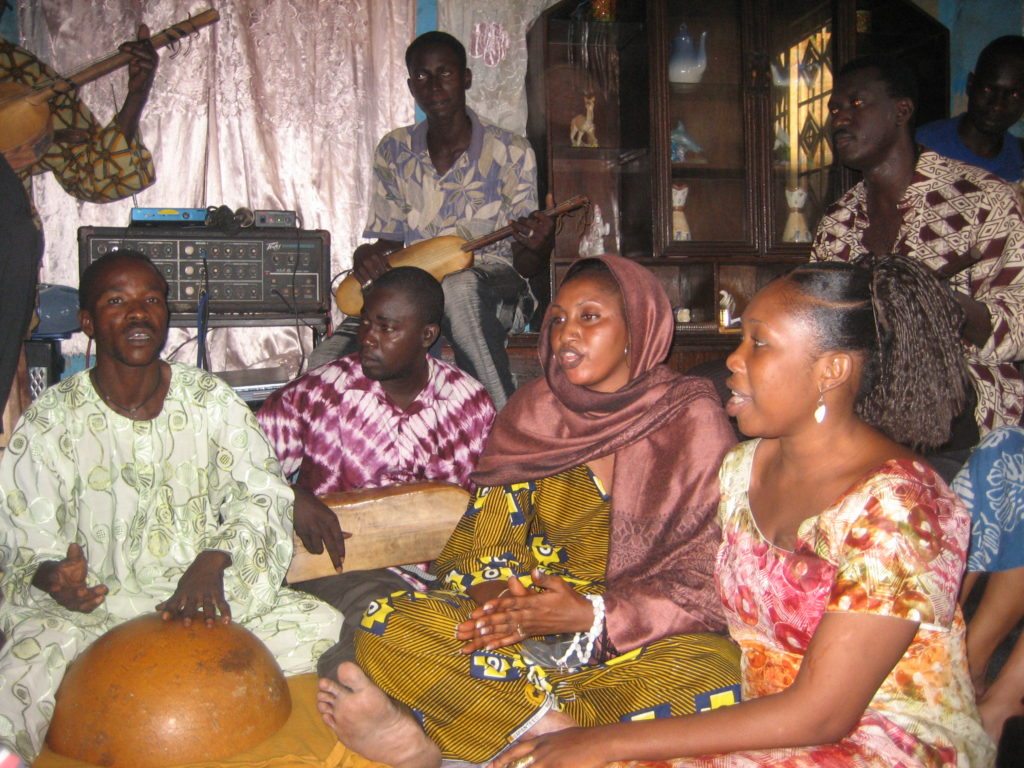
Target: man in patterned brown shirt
(962,222)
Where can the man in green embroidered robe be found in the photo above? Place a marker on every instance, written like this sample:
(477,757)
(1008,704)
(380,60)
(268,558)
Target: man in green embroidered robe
(133,486)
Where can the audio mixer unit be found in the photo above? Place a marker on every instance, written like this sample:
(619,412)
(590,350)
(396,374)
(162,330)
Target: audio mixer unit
(252,272)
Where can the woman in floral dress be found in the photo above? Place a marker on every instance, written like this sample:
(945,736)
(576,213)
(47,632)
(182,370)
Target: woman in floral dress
(842,550)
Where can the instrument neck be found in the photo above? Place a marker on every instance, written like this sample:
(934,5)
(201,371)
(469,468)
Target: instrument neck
(577,201)
(119,59)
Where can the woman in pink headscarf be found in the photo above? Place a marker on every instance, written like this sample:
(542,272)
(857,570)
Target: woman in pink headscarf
(577,588)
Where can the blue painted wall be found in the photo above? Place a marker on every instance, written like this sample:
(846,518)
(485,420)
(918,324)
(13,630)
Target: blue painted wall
(426,20)
(972,24)
(9,20)
(426,15)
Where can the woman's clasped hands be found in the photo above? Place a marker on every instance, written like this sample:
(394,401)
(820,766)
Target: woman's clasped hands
(549,607)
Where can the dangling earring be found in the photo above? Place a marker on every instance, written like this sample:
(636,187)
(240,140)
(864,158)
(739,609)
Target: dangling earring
(819,412)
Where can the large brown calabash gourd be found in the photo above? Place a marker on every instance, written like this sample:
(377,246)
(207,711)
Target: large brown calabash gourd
(152,693)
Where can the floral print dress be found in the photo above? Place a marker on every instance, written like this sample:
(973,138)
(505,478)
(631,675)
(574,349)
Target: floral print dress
(893,545)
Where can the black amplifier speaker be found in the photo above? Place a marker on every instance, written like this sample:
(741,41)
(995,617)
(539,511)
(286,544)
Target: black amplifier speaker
(253,271)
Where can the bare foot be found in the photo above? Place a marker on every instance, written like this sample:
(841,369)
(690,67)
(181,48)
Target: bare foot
(368,722)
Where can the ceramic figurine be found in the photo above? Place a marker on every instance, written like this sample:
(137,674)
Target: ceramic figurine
(592,242)
(680,227)
(688,61)
(796,230)
(682,144)
(726,309)
(581,131)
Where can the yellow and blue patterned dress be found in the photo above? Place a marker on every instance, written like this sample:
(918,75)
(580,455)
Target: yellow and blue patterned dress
(473,706)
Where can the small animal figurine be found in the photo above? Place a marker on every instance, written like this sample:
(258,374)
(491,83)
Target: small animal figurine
(582,132)
(796,230)
(592,242)
(680,227)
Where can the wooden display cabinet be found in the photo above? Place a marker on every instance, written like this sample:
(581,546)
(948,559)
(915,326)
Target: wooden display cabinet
(753,130)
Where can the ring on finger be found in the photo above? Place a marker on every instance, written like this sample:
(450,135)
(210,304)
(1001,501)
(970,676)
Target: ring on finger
(523,762)
(529,233)
(519,630)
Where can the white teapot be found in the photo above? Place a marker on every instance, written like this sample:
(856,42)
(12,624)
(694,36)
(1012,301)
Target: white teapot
(688,61)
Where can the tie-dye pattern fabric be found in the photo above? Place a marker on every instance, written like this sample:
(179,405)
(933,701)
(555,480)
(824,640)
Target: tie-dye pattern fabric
(894,545)
(341,432)
(967,226)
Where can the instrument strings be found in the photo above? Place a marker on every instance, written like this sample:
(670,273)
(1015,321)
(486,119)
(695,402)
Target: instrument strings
(175,34)
(582,222)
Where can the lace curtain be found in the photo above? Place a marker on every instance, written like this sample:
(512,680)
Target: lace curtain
(494,33)
(277,106)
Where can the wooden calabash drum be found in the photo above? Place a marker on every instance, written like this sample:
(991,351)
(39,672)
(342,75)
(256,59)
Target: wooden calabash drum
(153,693)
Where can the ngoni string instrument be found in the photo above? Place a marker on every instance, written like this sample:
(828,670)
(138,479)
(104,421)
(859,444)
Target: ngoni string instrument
(440,256)
(25,119)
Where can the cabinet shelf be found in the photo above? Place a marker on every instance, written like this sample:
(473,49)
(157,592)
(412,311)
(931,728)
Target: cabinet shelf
(569,33)
(704,171)
(613,155)
(706,90)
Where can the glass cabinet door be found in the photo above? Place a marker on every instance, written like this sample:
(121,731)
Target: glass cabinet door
(704,126)
(800,69)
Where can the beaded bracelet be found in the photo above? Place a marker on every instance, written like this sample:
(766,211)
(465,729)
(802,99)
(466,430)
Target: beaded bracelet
(597,601)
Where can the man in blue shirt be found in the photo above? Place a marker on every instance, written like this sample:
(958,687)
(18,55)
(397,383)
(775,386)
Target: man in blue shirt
(995,101)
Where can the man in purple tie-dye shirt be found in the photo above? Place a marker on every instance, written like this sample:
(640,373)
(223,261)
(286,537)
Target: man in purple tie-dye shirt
(388,414)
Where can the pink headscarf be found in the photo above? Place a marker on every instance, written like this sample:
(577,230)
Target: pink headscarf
(668,433)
